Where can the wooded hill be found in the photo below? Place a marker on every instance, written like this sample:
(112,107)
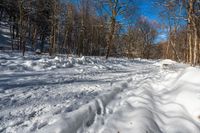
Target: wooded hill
(103,27)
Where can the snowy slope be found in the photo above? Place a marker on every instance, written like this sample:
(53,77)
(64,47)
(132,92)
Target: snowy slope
(94,95)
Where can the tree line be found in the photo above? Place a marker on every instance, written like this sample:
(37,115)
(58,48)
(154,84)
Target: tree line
(104,28)
(183,28)
(84,27)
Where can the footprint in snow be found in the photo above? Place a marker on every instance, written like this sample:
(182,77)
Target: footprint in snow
(129,80)
(31,115)
(124,85)
(42,125)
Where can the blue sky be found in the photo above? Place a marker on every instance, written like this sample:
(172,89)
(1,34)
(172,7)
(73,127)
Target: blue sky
(149,9)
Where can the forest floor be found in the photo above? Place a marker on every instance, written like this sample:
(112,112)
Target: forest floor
(94,95)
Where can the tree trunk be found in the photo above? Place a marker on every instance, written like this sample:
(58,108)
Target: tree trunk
(54,26)
(195,47)
(34,38)
(110,41)
(190,31)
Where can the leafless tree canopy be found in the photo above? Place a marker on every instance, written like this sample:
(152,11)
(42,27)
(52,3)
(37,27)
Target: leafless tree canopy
(104,27)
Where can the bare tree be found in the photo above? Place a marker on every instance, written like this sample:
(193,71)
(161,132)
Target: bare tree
(114,9)
(54,26)
(193,38)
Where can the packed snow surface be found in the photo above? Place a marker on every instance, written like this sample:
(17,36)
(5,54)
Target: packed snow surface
(92,95)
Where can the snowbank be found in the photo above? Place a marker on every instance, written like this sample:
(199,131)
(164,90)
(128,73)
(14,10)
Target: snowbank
(188,91)
(164,64)
(16,63)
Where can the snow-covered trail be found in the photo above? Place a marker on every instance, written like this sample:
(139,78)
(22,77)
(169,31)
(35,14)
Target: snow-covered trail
(147,102)
(93,95)
(34,89)
(148,105)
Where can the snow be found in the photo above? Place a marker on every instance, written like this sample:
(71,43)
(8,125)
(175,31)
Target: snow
(63,94)
(189,87)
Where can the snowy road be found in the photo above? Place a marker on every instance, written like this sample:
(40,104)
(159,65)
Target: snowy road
(92,95)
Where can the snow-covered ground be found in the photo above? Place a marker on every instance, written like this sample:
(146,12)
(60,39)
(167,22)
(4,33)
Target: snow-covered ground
(93,95)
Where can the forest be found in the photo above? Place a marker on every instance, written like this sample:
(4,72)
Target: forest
(104,28)
(99,66)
